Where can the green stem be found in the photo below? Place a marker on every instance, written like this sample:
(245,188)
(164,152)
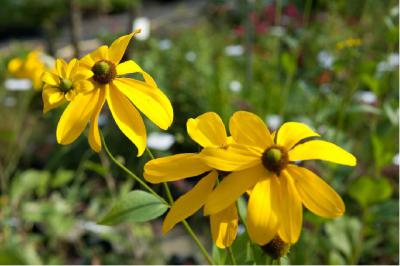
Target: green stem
(233,260)
(126,170)
(184,222)
(198,243)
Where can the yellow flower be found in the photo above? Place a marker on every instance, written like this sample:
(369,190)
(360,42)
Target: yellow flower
(31,68)
(63,83)
(350,42)
(266,163)
(207,130)
(121,94)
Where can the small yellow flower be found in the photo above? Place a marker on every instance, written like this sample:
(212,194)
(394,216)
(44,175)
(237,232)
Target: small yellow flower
(63,83)
(207,130)
(31,68)
(350,42)
(266,163)
(122,95)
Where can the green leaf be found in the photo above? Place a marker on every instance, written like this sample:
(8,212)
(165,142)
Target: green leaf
(135,206)
(11,255)
(61,178)
(367,190)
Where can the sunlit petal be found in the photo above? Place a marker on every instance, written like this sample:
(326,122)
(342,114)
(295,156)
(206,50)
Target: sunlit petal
(291,133)
(207,130)
(174,167)
(152,102)
(224,225)
(316,194)
(231,187)
(127,118)
(190,202)
(262,223)
(321,150)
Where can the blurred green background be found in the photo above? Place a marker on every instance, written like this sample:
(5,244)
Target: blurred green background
(333,65)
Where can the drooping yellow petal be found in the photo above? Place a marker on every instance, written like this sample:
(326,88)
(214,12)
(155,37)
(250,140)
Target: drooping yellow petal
(50,79)
(52,97)
(235,157)
(118,47)
(130,66)
(127,118)
(316,194)
(287,206)
(207,130)
(231,187)
(76,116)
(94,135)
(321,150)
(262,224)
(224,225)
(152,102)
(291,133)
(190,202)
(174,167)
(87,62)
(247,128)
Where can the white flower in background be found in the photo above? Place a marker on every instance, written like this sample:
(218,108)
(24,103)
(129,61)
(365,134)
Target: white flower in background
(366,97)
(241,229)
(278,31)
(234,50)
(165,44)
(18,84)
(235,86)
(396,159)
(273,121)
(9,101)
(160,141)
(190,56)
(390,64)
(143,24)
(325,59)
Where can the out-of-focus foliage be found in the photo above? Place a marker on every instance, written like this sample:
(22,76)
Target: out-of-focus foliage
(283,63)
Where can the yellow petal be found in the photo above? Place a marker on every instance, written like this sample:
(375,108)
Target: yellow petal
(94,135)
(224,225)
(71,68)
(86,62)
(76,116)
(61,67)
(50,79)
(190,202)
(287,206)
(236,157)
(152,102)
(174,167)
(248,129)
(100,53)
(207,130)
(231,187)
(130,66)
(84,86)
(291,133)
(52,97)
(127,118)
(14,65)
(81,73)
(118,47)
(262,224)
(321,150)
(315,194)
